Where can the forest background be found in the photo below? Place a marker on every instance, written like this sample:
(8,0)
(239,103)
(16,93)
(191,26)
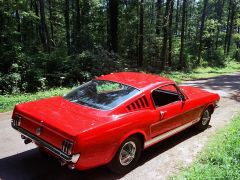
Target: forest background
(50,43)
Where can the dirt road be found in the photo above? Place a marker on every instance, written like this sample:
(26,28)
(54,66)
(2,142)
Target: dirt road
(19,161)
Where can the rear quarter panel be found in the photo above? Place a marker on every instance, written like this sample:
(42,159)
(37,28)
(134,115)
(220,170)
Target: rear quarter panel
(99,145)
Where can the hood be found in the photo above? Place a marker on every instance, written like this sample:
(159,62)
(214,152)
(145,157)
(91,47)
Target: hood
(62,115)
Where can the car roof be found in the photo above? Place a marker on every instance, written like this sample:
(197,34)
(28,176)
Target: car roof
(136,79)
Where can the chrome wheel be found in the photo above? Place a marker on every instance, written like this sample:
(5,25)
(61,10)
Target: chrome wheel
(127,153)
(206,117)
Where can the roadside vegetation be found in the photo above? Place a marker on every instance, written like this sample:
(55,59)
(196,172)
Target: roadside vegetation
(221,157)
(8,101)
(48,44)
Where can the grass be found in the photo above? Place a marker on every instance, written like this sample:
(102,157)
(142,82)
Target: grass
(7,102)
(203,72)
(221,157)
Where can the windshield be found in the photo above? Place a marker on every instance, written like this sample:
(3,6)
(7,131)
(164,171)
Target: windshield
(99,94)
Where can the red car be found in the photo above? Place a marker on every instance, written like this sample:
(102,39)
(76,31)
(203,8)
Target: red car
(112,119)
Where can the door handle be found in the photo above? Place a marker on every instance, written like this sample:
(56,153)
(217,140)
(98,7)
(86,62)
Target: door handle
(162,114)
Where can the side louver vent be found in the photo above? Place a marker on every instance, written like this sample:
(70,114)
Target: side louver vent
(139,104)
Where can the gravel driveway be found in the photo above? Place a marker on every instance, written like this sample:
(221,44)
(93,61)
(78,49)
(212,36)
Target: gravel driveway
(19,161)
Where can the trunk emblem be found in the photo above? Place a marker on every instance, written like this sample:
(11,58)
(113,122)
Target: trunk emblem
(39,131)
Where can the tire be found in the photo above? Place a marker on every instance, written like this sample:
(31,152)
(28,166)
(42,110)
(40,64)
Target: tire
(204,121)
(127,156)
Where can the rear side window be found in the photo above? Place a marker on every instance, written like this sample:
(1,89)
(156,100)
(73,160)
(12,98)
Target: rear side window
(165,95)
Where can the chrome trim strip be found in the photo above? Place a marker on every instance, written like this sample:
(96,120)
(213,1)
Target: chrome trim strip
(48,146)
(167,134)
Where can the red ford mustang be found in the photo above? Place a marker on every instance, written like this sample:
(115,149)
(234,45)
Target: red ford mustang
(112,119)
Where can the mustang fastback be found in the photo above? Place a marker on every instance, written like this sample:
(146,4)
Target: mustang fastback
(111,119)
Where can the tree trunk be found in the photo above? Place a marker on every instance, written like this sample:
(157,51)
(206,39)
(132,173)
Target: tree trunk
(44,30)
(67,26)
(77,28)
(219,12)
(158,18)
(170,33)
(51,19)
(18,25)
(227,29)
(113,29)
(231,26)
(140,54)
(181,56)
(164,50)
(177,18)
(205,4)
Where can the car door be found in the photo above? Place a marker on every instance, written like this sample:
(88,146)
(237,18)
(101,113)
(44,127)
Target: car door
(169,108)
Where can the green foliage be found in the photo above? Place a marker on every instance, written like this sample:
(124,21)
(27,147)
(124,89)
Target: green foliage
(220,159)
(203,72)
(7,102)
(37,54)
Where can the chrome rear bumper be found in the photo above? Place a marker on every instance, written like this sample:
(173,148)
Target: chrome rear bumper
(68,158)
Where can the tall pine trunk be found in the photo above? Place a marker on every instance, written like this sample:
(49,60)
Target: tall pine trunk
(177,18)
(164,50)
(181,56)
(43,27)
(77,27)
(170,34)
(50,9)
(67,26)
(158,17)
(113,26)
(219,11)
(205,4)
(233,8)
(141,28)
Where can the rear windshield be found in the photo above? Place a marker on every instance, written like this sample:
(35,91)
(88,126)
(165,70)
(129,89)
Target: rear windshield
(100,94)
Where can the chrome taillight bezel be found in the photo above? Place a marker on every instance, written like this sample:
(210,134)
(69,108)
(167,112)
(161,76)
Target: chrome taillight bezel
(67,147)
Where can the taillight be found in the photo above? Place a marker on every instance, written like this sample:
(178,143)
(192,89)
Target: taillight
(67,147)
(16,120)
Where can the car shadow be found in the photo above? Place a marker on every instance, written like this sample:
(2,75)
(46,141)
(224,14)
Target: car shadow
(32,165)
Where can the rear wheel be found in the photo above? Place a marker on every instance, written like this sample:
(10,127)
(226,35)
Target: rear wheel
(127,156)
(204,121)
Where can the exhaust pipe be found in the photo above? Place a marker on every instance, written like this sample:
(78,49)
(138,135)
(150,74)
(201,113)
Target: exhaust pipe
(27,141)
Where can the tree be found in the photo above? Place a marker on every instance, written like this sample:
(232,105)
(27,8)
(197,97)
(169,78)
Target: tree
(113,29)
(203,17)
(164,50)
(77,28)
(170,33)
(230,24)
(43,27)
(140,50)
(177,17)
(158,18)
(181,56)
(219,12)
(67,26)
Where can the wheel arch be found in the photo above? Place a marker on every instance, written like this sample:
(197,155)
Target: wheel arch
(139,133)
(211,107)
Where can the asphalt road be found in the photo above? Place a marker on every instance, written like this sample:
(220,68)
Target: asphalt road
(20,161)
